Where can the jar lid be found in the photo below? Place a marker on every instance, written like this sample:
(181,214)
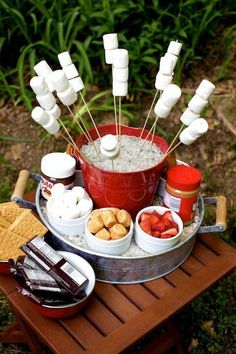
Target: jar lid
(58,165)
(185,178)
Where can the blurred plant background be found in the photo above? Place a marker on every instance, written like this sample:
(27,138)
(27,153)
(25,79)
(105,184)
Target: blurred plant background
(32,30)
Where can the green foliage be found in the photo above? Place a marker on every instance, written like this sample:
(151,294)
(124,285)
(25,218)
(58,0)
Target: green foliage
(37,29)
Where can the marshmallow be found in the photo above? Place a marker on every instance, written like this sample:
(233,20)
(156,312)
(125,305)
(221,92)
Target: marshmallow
(57,191)
(52,126)
(59,80)
(161,110)
(71,213)
(80,193)
(119,88)
(49,84)
(67,97)
(186,138)
(120,75)
(40,116)
(85,205)
(64,59)
(174,48)
(174,59)
(55,112)
(70,71)
(110,55)
(110,41)
(39,85)
(55,209)
(110,154)
(162,81)
(171,95)
(46,101)
(196,104)
(166,65)
(42,69)
(77,84)
(121,58)
(198,127)
(109,142)
(188,116)
(69,198)
(205,89)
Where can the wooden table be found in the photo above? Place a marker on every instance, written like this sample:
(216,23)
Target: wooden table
(117,316)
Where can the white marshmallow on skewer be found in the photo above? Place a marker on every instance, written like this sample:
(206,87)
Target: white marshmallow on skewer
(80,193)
(109,146)
(110,55)
(188,116)
(166,66)
(59,80)
(162,81)
(120,75)
(110,154)
(121,58)
(174,48)
(197,103)
(70,71)
(77,84)
(64,59)
(119,88)
(110,41)
(161,110)
(39,85)
(205,89)
(174,58)
(67,97)
(69,198)
(186,138)
(55,112)
(85,205)
(46,101)
(52,127)
(171,95)
(40,116)
(43,69)
(198,127)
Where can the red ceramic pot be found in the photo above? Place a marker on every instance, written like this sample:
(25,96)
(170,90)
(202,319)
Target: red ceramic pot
(132,191)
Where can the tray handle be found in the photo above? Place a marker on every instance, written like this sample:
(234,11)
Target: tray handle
(17,195)
(221,214)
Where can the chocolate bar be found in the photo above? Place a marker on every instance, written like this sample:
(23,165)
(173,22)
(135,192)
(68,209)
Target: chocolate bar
(55,265)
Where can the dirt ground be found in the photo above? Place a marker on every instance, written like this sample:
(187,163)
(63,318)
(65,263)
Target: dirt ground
(23,142)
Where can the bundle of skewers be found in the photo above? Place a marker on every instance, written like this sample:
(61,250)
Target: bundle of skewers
(67,85)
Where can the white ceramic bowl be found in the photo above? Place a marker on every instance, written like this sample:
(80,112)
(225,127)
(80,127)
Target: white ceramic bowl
(152,244)
(109,247)
(73,227)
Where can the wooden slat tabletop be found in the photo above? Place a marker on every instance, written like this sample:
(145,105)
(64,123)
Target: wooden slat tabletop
(117,316)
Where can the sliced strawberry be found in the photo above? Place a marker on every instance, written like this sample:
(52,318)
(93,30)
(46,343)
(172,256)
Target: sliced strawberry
(144,216)
(146,227)
(159,226)
(156,234)
(153,219)
(166,236)
(154,212)
(174,224)
(173,231)
(167,216)
(168,223)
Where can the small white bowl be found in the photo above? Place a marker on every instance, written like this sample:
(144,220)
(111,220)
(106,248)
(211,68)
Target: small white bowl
(109,247)
(152,244)
(72,227)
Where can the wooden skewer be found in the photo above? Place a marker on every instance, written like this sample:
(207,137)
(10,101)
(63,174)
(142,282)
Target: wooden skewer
(119,100)
(147,136)
(112,163)
(114,100)
(170,151)
(67,132)
(90,115)
(86,134)
(148,115)
(176,136)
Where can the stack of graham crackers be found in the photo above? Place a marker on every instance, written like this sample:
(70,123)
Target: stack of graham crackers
(17,226)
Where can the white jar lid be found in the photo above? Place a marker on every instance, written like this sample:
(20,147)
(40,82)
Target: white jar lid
(58,165)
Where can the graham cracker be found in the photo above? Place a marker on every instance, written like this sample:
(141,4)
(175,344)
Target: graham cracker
(10,245)
(11,213)
(4,222)
(28,226)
